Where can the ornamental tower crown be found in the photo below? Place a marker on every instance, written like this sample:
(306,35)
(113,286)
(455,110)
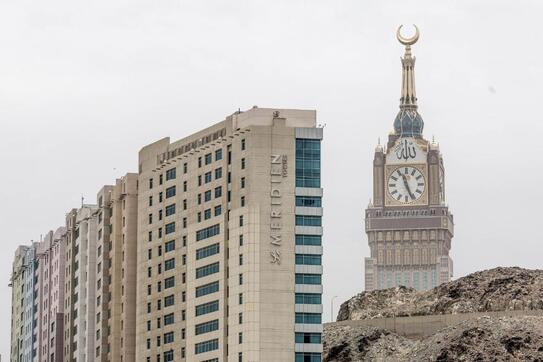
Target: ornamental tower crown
(408,122)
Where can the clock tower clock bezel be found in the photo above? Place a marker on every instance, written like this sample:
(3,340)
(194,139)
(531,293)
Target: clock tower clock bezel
(391,201)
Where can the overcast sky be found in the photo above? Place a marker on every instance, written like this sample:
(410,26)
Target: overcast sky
(85,84)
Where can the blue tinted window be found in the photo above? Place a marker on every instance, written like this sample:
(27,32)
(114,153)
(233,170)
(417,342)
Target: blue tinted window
(309,240)
(309,201)
(308,163)
(308,220)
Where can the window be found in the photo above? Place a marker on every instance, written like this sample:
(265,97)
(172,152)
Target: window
(207,308)
(184,223)
(169,319)
(241,220)
(184,240)
(309,240)
(199,180)
(185,167)
(308,259)
(207,289)
(308,357)
(168,337)
(242,201)
(218,210)
(206,327)
(308,157)
(170,174)
(308,220)
(207,232)
(169,246)
(169,282)
(185,186)
(160,179)
(148,343)
(218,155)
(150,200)
(170,209)
(150,183)
(218,192)
(240,298)
(170,191)
(243,182)
(207,214)
(149,254)
(240,318)
(207,251)
(241,240)
(240,356)
(207,177)
(199,161)
(240,259)
(168,355)
(218,173)
(208,159)
(243,144)
(170,228)
(314,279)
(309,201)
(308,318)
(206,346)
(150,236)
(169,300)
(308,298)
(199,217)
(240,337)
(207,270)
(207,195)
(243,163)
(169,264)
(150,218)
(159,214)
(240,279)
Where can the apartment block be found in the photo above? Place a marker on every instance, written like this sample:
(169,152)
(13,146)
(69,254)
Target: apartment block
(116,275)
(81,270)
(230,242)
(49,292)
(19,314)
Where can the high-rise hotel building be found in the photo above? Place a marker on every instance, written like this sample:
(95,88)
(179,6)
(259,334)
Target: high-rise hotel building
(229,242)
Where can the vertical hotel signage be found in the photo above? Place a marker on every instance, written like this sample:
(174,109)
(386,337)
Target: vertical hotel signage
(279,168)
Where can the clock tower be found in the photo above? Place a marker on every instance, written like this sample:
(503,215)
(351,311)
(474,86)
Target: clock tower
(408,224)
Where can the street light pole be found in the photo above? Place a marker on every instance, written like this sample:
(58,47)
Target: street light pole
(332,308)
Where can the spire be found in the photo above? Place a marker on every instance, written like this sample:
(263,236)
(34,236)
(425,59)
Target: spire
(408,121)
(408,98)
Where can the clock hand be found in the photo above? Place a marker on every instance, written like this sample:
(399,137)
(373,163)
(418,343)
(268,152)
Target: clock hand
(404,178)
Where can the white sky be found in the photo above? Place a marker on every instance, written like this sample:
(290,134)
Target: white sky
(84,85)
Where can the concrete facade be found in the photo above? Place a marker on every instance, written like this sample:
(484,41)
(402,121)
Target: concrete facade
(217,254)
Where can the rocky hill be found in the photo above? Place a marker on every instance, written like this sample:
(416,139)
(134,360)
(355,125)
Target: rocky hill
(482,339)
(511,338)
(496,289)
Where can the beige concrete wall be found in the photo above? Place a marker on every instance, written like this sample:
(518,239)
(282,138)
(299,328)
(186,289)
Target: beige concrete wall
(418,327)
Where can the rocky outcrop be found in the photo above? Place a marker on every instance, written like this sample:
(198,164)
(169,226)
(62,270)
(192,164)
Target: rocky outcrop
(496,289)
(482,339)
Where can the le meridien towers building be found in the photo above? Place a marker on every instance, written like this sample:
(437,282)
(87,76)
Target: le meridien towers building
(408,224)
(230,242)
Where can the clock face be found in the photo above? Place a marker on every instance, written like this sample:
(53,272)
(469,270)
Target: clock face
(406,184)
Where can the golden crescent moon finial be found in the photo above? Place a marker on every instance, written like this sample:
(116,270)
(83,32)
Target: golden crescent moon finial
(408,41)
